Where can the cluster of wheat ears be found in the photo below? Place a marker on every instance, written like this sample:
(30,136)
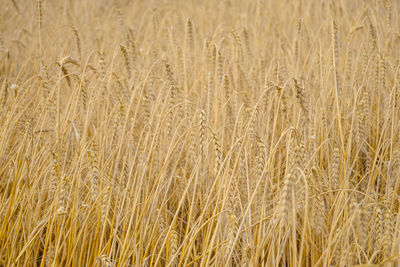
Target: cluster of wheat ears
(199,133)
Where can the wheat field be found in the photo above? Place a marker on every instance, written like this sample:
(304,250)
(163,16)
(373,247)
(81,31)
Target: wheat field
(199,133)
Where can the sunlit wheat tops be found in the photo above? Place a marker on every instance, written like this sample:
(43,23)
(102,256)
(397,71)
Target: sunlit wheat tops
(200,133)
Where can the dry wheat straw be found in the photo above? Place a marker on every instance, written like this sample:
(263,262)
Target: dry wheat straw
(170,133)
